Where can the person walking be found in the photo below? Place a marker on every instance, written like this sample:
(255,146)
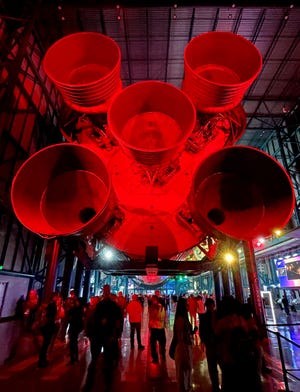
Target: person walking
(192,309)
(122,302)
(92,334)
(108,327)
(231,333)
(253,355)
(31,305)
(47,327)
(183,335)
(90,329)
(286,305)
(135,313)
(157,322)
(208,339)
(200,307)
(75,321)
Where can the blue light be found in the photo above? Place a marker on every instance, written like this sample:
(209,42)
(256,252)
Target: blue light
(280,264)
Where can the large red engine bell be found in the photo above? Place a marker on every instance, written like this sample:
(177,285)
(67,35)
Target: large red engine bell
(218,69)
(61,190)
(241,192)
(85,68)
(166,173)
(151,121)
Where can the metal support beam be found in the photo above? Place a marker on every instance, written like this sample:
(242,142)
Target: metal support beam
(78,277)
(237,280)
(217,282)
(52,253)
(86,286)
(69,262)
(225,281)
(254,283)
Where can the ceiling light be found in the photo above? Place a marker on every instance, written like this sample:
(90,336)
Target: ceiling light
(228,257)
(108,254)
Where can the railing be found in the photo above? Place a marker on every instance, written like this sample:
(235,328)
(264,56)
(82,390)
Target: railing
(285,371)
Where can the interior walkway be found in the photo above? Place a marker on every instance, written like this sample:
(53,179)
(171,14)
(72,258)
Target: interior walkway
(135,372)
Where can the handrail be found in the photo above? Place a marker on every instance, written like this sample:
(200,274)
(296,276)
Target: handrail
(284,337)
(282,325)
(285,371)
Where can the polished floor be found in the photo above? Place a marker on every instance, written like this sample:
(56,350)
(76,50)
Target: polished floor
(284,330)
(135,372)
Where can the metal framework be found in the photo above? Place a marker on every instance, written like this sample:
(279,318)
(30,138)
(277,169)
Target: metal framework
(28,118)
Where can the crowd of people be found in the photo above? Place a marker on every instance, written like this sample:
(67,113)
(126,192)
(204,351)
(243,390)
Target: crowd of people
(229,335)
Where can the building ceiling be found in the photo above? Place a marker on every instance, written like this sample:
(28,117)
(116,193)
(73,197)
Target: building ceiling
(152,40)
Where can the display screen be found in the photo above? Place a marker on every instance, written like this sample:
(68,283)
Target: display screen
(293,270)
(289,272)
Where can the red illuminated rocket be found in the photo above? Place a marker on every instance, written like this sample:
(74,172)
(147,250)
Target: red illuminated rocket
(162,169)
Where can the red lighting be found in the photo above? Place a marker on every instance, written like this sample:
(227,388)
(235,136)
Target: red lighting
(156,172)
(259,243)
(219,67)
(152,279)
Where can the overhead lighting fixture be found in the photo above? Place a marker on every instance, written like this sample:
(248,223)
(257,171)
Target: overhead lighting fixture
(277,232)
(108,254)
(229,258)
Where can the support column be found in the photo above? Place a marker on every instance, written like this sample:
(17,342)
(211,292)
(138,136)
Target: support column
(97,282)
(237,280)
(52,252)
(125,286)
(68,268)
(273,271)
(225,281)
(78,277)
(217,282)
(86,285)
(108,280)
(254,282)
(176,286)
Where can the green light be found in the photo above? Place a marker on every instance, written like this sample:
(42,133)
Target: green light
(1,267)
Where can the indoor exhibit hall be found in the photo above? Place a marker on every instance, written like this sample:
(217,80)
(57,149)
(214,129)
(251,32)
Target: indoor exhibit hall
(135,372)
(149,185)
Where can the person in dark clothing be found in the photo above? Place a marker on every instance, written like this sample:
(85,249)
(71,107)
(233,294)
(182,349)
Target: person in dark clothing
(122,302)
(252,351)
(108,321)
(90,329)
(19,310)
(75,321)
(31,306)
(105,328)
(47,328)
(285,303)
(208,339)
(236,352)
(183,335)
